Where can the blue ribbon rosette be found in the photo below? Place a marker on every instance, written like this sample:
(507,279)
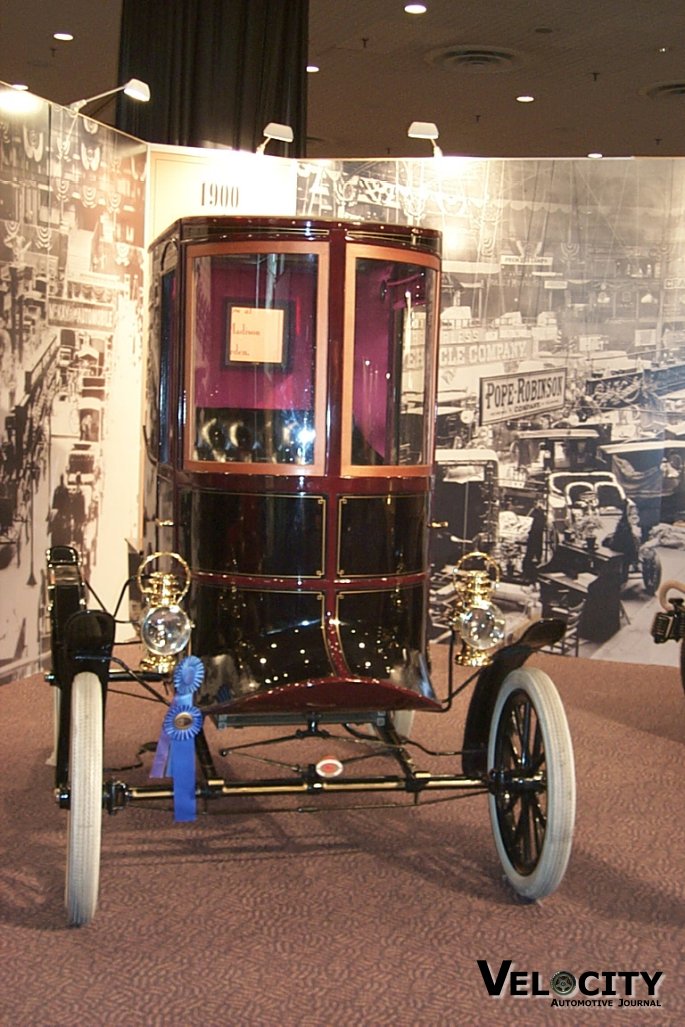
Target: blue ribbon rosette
(175,755)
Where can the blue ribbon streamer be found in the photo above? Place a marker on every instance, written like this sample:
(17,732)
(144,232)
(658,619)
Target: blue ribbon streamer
(181,762)
(175,753)
(158,768)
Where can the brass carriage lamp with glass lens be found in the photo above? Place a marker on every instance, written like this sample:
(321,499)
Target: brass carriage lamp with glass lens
(478,624)
(164,626)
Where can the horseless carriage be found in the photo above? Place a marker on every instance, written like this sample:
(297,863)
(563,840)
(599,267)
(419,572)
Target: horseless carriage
(283,582)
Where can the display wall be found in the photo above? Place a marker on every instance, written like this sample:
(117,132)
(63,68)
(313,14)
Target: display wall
(72,252)
(562,360)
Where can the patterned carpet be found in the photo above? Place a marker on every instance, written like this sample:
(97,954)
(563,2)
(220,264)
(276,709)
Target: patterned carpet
(351,917)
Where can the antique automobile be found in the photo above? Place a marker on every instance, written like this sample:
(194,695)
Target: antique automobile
(83,464)
(570,493)
(455,419)
(555,449)
(651,474)
(465,503)
(281,585)
(591,507)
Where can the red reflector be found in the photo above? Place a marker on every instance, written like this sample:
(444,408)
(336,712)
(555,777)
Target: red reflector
(329,767)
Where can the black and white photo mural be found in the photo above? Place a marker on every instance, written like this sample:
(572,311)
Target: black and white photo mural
(560,425)
(561,397)
(71,306)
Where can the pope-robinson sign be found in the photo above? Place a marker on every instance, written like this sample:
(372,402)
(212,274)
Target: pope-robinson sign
(508,396)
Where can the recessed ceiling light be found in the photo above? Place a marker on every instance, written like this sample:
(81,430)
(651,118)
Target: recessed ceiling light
(415,8)
(64,37)
(21,86)
(312,68)
(525,98)
(595,156)
(662,49)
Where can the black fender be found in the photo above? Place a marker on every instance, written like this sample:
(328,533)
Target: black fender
(88,642)
(66,596)
(537,635)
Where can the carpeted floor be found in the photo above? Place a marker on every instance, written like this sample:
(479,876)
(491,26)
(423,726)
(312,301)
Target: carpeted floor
(351,917)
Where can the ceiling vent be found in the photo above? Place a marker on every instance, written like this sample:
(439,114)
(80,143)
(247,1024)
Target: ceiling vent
(474,59)
(664,89)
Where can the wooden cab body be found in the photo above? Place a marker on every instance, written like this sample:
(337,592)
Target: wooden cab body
(289,422)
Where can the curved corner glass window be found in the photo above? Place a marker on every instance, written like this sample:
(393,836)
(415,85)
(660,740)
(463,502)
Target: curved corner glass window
(391,364)
(254,371)
(168,341)
(162,339)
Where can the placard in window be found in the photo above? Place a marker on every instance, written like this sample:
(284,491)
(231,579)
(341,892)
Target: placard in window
(257,335)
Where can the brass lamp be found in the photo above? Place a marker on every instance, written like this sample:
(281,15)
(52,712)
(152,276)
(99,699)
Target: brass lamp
(164,626)
(478,624)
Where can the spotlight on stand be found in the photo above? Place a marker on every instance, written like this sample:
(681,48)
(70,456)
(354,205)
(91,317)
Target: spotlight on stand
(273,130)
(134,88)
(425,130)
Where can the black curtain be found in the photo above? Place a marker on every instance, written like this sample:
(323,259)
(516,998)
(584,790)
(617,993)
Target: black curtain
(218,71)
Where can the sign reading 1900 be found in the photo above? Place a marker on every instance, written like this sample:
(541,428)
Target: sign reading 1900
(505,397)
(219,196)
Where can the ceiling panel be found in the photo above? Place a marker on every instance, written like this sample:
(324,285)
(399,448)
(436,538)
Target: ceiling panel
(590,65)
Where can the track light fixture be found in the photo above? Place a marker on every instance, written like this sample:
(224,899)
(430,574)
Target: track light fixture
(425,130)
(273,130)
(134,88)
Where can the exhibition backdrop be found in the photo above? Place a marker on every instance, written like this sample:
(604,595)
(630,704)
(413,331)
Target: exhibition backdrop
(562,355)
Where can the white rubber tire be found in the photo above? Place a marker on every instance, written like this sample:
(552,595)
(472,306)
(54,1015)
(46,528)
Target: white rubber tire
(556,821)
(84,827)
